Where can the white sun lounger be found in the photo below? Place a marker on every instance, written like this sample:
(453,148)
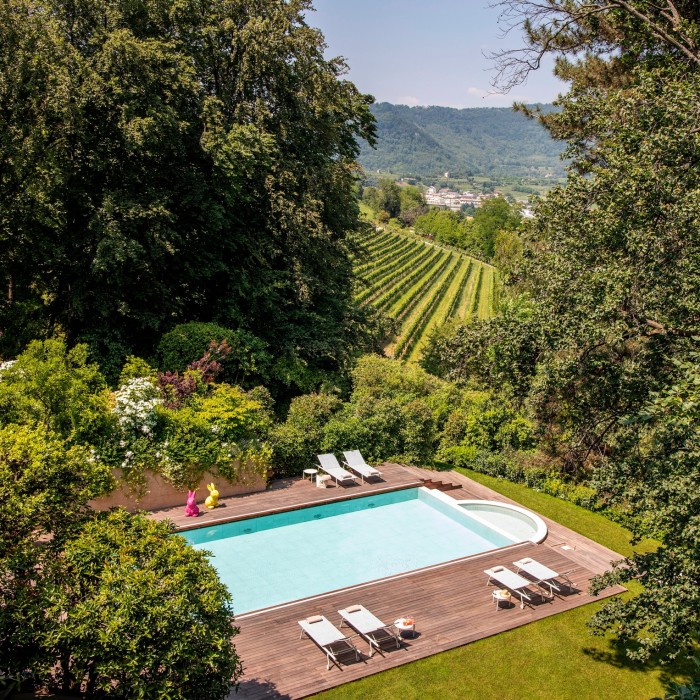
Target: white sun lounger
(329,464)
(543,574)
(355,461)
(333,642)
(370,627)
(514,582)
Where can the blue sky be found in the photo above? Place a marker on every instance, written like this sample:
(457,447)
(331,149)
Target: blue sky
(425,53)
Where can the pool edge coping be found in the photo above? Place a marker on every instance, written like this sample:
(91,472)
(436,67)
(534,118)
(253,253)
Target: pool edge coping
(296,506)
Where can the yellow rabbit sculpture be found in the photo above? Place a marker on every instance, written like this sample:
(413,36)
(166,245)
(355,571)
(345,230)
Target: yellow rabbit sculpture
(213,497)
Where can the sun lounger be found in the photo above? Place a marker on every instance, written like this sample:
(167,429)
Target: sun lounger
(355,461)
(370,627)
(512,581)
(329,464)
(542,574)
(327,636)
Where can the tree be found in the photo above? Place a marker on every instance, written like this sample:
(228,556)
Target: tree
(58,388)
(611,260)
(296,441)
(45,485)
(110,604)
(449,227)
(502,351)
(492,216)
(134,611)
(614,307)
(389,197)
(656,484)
(248,362)
(152,175)
(412,204)
(605,38)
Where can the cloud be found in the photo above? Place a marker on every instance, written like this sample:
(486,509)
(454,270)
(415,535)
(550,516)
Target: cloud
(408,100)
(499,97)
(476,92)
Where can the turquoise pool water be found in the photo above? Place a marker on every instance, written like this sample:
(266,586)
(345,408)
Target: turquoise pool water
(275,559)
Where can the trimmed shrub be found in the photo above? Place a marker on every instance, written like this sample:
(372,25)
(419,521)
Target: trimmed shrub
(296,441)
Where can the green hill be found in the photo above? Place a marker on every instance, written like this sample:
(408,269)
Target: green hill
(429,141)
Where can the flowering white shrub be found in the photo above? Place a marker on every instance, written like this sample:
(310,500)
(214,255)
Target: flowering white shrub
(136,406)
(6,365)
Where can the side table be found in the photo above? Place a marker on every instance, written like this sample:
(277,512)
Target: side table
(405,624)
(501,596)
(309,473)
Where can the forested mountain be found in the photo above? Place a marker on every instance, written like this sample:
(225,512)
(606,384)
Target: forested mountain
(428,141)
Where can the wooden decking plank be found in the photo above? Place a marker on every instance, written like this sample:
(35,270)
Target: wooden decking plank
(288,494)
(452,606)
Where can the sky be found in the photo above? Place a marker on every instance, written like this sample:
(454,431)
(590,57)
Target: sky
(425,53)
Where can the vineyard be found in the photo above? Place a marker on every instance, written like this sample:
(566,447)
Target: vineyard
(421,285)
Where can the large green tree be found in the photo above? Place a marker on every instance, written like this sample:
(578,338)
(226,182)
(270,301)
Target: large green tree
(109,604)
(657,485)
(176,161)
(612,263)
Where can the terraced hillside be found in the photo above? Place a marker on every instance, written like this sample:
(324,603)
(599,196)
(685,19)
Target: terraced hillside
(422,285)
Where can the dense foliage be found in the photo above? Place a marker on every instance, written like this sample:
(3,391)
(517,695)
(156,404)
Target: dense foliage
(82,593)
(475,234)
(389,200)
(171,162)
(656,482)
(398,411)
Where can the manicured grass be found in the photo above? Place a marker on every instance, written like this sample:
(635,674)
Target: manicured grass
(552,659)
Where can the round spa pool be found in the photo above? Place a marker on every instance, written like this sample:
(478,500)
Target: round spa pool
(512,520)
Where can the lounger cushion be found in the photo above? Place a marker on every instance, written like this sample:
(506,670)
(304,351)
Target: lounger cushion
(353,608)
(315,618)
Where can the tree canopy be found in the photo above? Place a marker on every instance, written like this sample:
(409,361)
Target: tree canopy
(172,162)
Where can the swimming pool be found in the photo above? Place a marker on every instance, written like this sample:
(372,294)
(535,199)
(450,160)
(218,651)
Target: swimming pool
(275,559)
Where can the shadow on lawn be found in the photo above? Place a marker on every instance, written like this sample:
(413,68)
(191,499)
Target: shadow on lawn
(679,670)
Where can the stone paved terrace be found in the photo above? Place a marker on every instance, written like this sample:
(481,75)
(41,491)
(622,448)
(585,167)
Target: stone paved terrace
(451,602)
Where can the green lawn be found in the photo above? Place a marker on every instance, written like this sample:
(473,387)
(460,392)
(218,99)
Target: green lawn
(553,659)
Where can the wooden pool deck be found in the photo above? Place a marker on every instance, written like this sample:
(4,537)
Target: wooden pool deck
(451,603)
(287,494)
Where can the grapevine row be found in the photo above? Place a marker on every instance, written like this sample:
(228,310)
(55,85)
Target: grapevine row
(380,268)
(419,292)
(386,301)
(457,299)
(384,253)
(390,273)
(477,292)
(410,338)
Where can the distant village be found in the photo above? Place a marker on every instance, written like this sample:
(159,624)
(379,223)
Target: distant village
(450,199)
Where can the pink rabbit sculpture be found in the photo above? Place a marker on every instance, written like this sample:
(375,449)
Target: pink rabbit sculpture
(191,509)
